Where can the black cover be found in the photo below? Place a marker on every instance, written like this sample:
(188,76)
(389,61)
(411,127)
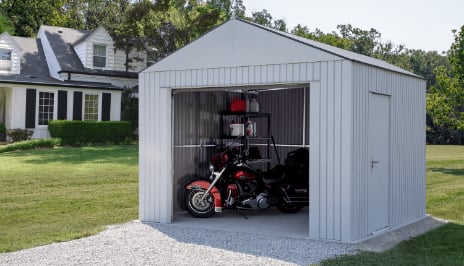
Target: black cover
(30,107)
(77,106)
(106,107)
(62,105)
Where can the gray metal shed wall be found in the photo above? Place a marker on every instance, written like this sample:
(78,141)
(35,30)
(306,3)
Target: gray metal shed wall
(407,139)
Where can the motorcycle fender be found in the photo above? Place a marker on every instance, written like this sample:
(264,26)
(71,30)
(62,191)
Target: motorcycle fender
(203,184)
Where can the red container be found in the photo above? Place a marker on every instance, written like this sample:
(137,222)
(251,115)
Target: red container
(238,105)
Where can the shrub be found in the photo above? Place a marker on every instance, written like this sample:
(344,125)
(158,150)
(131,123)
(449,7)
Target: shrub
(90,132)
(31,144)
(19,134)
(2,132)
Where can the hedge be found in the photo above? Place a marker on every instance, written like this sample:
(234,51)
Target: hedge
(90,132)
(30,144)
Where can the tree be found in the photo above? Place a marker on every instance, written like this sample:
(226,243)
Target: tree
(445,100)
(28,15)
(89,14)
(6,25)
(456,55)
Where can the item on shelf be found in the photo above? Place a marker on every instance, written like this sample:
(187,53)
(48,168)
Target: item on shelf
(251,129)
(254,104)
(236,129)
(238,105)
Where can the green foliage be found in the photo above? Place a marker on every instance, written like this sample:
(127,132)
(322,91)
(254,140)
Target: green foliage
(457,55)
(19,134)
(30,144)
(28,15)
(90,132)
(130,108)
(445,99)
(60,194)
(2,128)
(6,25)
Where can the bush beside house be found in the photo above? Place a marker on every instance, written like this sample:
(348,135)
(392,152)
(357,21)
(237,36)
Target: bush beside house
(2,132)
(85,132)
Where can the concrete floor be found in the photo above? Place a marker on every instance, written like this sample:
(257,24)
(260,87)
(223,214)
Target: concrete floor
(266,222)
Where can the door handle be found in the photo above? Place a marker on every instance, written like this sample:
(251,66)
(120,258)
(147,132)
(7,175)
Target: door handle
(374,163)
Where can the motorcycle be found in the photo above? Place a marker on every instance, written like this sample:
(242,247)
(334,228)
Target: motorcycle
(234,184)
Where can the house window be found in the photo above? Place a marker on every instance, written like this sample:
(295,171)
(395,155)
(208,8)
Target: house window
(91,107)
(46,107)
(5,60)
(99,55)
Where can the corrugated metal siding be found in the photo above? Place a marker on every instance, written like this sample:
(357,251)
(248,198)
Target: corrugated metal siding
(338,126)
(330,174)
(407,155)
(156,197)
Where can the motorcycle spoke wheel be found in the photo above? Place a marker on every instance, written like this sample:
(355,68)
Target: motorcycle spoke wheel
(197,207)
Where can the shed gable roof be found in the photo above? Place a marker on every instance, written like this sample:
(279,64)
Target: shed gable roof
(240,43)
(236,43)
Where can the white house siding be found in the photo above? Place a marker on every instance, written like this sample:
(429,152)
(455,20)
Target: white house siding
(99,36)
(81,49)
(5,43)
(115,114)
(330,104)
(17,107)
(50,56)
(407,138)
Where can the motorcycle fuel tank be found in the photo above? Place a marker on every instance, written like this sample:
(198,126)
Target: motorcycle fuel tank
(245,174)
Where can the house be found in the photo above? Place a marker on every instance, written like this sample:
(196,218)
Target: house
(362,119)
(65,74)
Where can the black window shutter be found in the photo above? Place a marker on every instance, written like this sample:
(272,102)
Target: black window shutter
(106,107)
(77,105)
(62,105)
(30,108)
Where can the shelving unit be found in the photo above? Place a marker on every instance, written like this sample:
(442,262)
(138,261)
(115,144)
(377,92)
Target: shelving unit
(259,140)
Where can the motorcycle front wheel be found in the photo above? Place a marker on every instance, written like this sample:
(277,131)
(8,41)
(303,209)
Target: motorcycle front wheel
(197,207)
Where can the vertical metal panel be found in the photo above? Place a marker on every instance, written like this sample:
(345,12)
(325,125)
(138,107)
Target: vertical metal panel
(407,163)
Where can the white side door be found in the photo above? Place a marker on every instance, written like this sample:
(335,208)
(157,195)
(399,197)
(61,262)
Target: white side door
(379,153)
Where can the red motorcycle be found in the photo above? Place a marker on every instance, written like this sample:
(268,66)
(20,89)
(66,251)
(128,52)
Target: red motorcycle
(234,184)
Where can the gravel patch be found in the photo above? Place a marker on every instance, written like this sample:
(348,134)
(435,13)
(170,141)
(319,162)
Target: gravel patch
(136,243)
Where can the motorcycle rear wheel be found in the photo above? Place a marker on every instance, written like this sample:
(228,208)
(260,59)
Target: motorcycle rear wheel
(195,206)
(289,207)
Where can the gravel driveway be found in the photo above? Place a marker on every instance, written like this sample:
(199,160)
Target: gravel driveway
(136,243)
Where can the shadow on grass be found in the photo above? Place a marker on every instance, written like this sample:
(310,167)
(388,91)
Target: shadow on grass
(120,154)
(448,171)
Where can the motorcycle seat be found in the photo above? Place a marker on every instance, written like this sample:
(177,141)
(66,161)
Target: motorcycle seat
(274,175)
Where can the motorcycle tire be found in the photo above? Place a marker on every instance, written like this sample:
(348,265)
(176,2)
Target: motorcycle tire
(196,207)
(289,207)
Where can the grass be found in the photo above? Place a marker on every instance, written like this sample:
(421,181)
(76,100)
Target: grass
(445,199)
(59,194)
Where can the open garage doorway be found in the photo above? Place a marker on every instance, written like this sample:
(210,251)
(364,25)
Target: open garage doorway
(199,128)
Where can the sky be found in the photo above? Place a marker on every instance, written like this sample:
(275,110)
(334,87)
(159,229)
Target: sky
(417,24)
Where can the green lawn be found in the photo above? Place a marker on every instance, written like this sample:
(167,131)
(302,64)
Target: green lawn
(445,199)
(51,195)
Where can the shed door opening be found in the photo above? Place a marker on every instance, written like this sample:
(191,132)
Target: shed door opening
(197,132)
(379,143)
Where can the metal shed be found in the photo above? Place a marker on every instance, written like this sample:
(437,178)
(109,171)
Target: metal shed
(365,124)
